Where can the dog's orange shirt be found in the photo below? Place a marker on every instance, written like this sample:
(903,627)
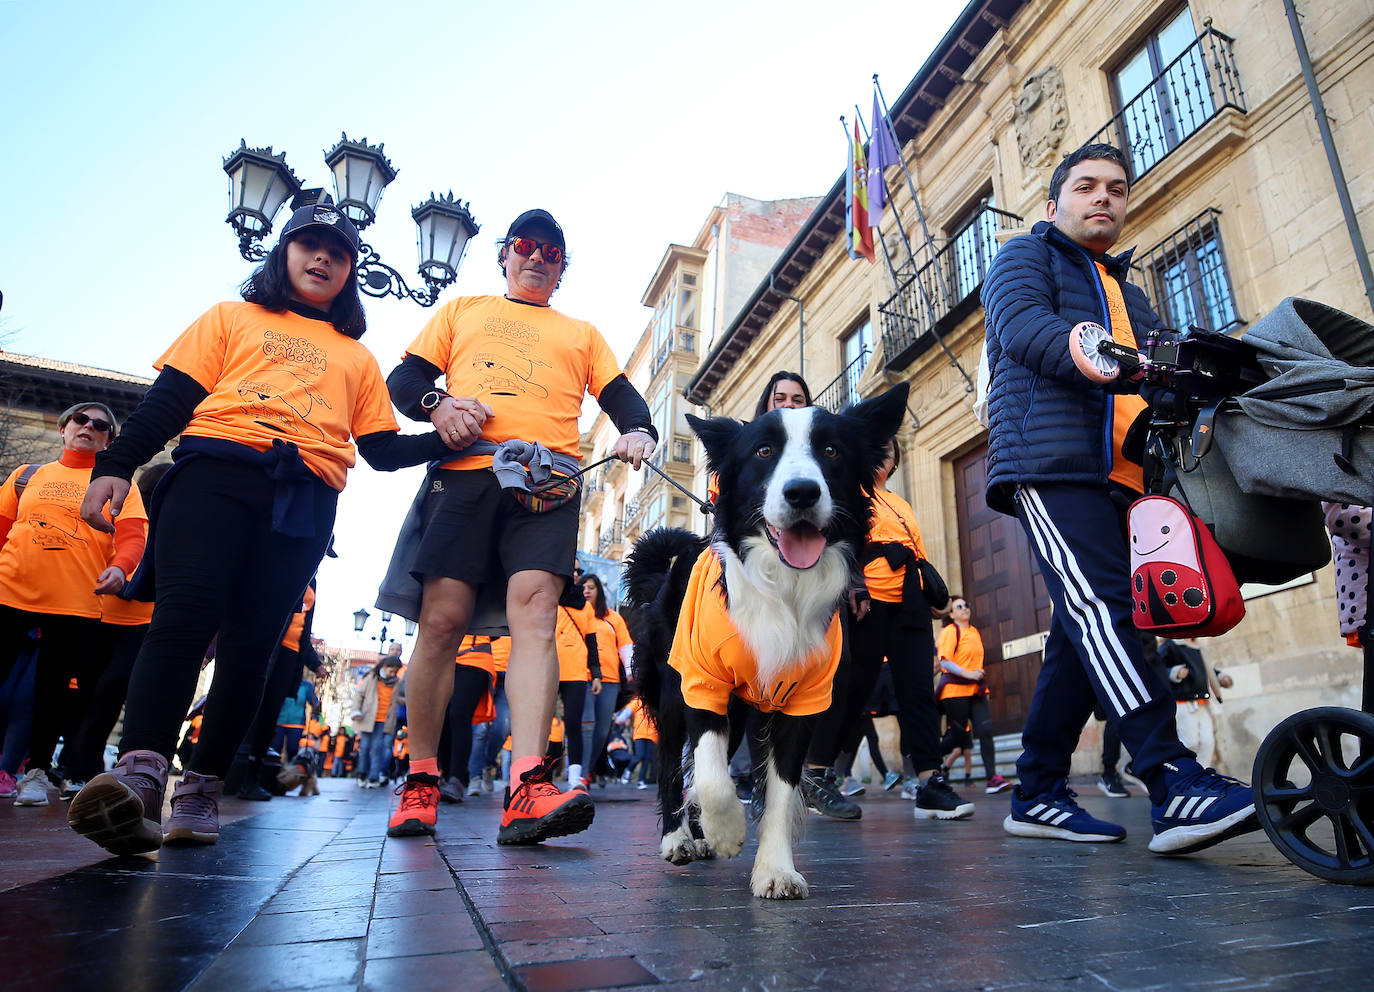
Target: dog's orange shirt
(714,661)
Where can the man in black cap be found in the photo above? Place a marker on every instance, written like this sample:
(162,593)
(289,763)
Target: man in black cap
(516,372)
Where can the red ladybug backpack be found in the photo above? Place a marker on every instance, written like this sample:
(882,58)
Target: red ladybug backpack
(1181,582)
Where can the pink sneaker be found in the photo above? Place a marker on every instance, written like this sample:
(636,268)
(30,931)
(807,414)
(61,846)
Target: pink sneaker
(121,810)
(8,786)
(195,810)
(997,784)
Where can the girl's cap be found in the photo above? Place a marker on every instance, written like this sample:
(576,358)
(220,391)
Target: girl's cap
(322,215)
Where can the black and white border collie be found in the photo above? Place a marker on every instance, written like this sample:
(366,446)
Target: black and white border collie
(793,513)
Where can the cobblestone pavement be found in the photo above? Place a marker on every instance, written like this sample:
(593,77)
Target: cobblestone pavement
(308,894)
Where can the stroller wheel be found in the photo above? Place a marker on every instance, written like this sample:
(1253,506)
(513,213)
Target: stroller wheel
(1083,346)
(1314,792)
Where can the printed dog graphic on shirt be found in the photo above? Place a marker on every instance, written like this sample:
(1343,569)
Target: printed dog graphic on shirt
(55,528)
(508,372)
(282,395)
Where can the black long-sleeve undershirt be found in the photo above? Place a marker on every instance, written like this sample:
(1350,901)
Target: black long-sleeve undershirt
(416,376)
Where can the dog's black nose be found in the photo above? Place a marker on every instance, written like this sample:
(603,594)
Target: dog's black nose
(802,493)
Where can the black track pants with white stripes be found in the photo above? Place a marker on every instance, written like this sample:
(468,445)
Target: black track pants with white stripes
(1093,652)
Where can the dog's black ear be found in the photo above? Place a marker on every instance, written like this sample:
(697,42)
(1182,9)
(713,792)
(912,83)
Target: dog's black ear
(717,435)
(881,416)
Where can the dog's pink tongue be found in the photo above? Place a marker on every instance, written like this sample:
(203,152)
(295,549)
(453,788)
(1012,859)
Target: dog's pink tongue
(801,545)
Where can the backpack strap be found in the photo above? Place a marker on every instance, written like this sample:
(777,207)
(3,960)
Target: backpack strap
(24,478)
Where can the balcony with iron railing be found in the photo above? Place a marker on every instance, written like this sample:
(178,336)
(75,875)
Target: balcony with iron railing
(1187,279)
(844,388)
(683,340)
(1190,91)
(609,537)
(943,290)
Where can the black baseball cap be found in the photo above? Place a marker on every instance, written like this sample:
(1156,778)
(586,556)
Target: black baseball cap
(322,215)
(530,218)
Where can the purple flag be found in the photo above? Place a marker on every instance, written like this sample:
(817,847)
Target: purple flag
(882,153)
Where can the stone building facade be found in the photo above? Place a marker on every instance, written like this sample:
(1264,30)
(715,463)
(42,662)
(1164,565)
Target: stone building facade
(1232,208)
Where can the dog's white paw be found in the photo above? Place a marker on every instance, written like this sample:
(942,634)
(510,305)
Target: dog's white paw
(725,828)
(679,847)
(778,883)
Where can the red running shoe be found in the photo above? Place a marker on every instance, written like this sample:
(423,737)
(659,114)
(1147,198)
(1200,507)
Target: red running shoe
(418,809)
(535,810)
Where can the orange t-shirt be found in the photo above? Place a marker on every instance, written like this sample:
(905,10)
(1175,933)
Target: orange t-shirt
(475,652)
(51,558)
(570,638)
(1125,406)
(611,635)
(384,694)
(893,518)
(532,365)
(714,660)
(500,652)
(968,654)
(643,727)
(296,627)
(280,375)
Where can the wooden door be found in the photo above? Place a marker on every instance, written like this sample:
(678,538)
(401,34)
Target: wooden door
(1003,586)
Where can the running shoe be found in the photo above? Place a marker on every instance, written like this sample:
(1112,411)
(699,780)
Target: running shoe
(1056,815)
(890,781)
(8,785)
(852,787)
(195,811)
(121,810)
(418,809)
(997,784)
(1200,808)
(33,788)
(935,800)
(821,793)
(535,810)
(1111,785)
(450,790)
(70,787)
(910,787)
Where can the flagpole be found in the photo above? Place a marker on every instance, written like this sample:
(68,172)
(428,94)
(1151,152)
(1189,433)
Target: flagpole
(929,242)
(895,215)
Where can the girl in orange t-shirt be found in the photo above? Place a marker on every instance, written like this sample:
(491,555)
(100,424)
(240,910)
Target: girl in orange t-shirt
(579,669)
(54,568)
(613,649)
(270,396)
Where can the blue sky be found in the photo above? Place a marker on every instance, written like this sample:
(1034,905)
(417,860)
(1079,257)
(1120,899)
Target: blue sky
(627,120)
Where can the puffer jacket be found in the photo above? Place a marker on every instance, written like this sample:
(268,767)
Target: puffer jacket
(1047,422)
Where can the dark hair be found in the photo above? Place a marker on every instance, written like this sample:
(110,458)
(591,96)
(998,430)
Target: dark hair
(896,453)
(150,477)
(762,407)
(1098,150)
(600,604)
(270,287)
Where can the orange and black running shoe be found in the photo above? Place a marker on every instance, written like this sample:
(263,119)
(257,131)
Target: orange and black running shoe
(535,810)
(419,807)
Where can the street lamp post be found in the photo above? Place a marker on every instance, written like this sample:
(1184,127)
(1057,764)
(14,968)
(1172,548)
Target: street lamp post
(260,182)
(361,616)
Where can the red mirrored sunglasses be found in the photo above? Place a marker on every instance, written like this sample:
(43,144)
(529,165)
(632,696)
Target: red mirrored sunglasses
(552,253)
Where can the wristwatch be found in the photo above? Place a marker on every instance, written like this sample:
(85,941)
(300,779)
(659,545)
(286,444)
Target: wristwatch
(431,400)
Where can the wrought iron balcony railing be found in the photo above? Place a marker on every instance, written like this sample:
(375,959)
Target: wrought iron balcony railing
(1191,90)
(928,298)
(844,388)
(611,536)
(1187,279)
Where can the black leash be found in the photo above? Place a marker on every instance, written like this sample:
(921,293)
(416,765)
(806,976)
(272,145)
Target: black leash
(705,506)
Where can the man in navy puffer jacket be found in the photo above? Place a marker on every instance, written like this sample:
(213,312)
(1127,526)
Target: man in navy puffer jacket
(1054,460)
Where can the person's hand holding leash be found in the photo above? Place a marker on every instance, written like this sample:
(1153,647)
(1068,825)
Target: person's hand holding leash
(634,447)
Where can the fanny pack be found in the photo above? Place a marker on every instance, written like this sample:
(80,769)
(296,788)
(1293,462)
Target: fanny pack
(549,495)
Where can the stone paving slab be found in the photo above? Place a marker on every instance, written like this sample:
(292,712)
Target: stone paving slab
(308,894)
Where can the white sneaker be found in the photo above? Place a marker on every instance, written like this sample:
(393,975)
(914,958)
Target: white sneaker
(475,787)
(910,787)
(33,789)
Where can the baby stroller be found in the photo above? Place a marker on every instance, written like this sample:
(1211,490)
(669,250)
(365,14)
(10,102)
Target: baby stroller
(1254,433)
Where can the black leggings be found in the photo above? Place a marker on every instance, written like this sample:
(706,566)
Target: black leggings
(283,675)
(973,710)
(84,756)
(910,653)
(455,742)
(71,647)
(220,567)
(574,698)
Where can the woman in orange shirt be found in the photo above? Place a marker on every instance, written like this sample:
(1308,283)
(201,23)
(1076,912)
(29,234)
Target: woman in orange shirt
(579,670)
(54,567)
(894,623)
(269,396)
(613,648)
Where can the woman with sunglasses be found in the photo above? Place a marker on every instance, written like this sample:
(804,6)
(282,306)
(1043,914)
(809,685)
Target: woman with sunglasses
(273,398)
(56,570)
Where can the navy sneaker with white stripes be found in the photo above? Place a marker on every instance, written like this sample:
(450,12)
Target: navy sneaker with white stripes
(1056,815)
(1200,808)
